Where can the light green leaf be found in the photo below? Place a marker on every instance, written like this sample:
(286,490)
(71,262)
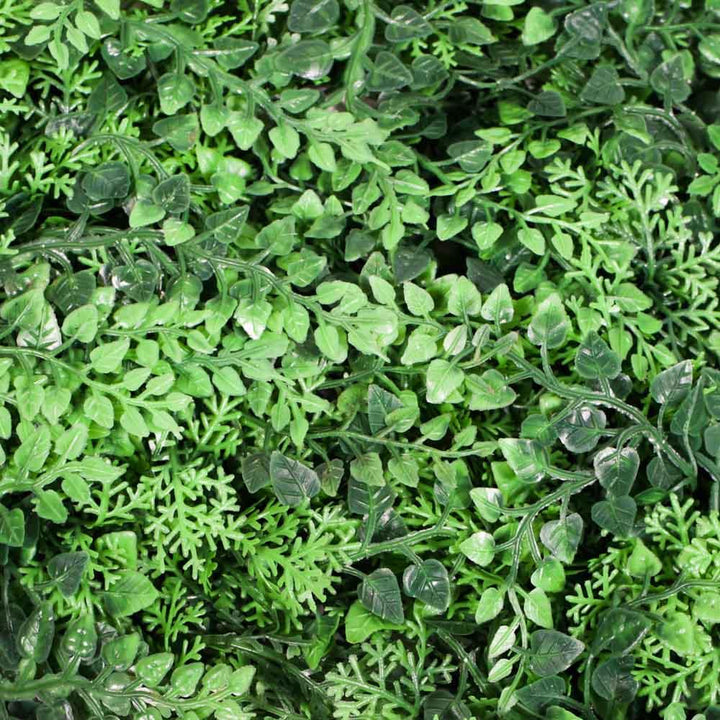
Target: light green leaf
(129,593)
(489,391)
(550,324)
(479,547)
(443,379)
(525,457)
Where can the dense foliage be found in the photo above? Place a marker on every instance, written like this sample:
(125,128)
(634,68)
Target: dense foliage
(358,358)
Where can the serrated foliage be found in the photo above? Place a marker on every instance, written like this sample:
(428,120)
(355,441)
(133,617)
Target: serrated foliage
(357,359)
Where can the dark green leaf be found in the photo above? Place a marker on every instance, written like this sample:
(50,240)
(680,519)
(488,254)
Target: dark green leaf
(541,693)
(292,481)
(551,652)
(429,583)
(388,73)
(380,403)
(616,515)
(582,429)
(613,681)
(548,104)
(670,386)
(617,469)
(256,471)
(380,593)
(668,79)
(107,181)
(173,194)
(67,570)
(595,359)
(604,87)
(405,24)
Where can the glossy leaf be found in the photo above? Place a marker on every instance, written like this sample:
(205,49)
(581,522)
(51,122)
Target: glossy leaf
(429,583)
(380,593)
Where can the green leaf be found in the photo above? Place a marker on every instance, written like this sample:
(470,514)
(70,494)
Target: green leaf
(388,73)
(670,386)
(490,605)
(418,300)
(46,11)
(292,481)
(549,325)
(361,623)
(479,547)
(582,429)
(429,583)
(231,53)
(538,27)
(562,537)
(88,24)
(173,194)
(285,139)
(464,299)
(668,79)
(190,11)
(525,457)
(35,635)
(130,593)
(66,570)
(616,469)
(706,607)
(108,358)
(498,306)
(594,359)
(313,16)
(486,234)
(49,506)
(678,632)
(489,391)
(14,77)
(309,59)
(12,527)
(551,652)
(604,87)
(503,639)
(532,239)
(152,669)
(107,181)
(405,23)
(537,608)
(123,64)
(616,515)
(180,131)
(643,562)
(549,576)
(37,35)
(111,7)
(443,379)
(380,593)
